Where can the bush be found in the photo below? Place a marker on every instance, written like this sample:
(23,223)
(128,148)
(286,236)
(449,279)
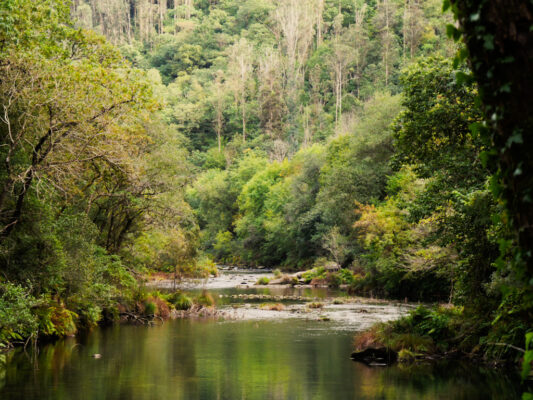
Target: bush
(423,330)
(89,315)
(16,319)
(334,280)
(347,276)
(315,273)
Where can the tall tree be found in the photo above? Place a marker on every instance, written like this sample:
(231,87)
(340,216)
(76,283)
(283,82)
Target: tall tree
(499,39)
(385,21)
(219,104)
(295,19)
(413,26)
(241,68)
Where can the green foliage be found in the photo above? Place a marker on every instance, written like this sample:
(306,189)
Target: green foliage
(318,273)
(180,300)
(56,320)
(528,356)
(424,330)
(262,281)
(16,319)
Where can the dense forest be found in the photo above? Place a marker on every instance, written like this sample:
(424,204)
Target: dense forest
(155,135)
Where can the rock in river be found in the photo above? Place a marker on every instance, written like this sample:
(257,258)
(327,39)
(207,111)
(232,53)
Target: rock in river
(375,356)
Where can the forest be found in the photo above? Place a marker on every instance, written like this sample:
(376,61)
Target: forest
(171,136)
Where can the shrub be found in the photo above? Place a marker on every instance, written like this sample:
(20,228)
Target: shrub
(346,276)
(316,273)
(16,319)
(334,280)
(277,273)
(423,330)
(89,315)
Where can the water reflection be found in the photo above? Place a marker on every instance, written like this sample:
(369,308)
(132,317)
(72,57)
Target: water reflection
(195,359)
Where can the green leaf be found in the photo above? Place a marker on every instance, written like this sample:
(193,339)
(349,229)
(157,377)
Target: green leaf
(474,17)
(488,42)
(514,138)
(529,339)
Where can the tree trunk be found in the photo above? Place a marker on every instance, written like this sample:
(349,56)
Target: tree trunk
(499,39)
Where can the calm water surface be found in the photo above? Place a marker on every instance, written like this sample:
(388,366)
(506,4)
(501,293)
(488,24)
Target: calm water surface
(207,359)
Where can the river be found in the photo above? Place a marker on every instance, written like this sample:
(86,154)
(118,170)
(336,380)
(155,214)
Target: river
(251,354)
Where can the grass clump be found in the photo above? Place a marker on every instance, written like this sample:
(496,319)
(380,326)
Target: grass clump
(180,301)
(205,299)
(150,308)
(315,305)
(263,281)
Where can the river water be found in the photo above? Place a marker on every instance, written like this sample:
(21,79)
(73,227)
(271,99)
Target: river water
(252,354)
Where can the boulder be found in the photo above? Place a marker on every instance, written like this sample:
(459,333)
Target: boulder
(375,356)
(332,266)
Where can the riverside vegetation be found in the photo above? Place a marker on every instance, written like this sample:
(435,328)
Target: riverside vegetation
(141,136)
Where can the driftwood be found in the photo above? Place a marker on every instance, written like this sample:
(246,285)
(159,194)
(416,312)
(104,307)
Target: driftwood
(141,319)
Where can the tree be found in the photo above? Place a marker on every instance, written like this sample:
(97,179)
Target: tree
(498,37)
(360,41)
(66,107)
(413,25)
(385,20)
(295,21)
(271,94)
(218,102)
(241,67)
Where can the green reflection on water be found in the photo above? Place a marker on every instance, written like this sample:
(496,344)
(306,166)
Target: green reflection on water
(203,359)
